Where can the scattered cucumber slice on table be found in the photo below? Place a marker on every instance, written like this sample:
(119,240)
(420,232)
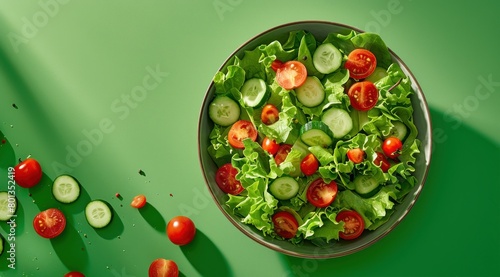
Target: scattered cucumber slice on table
(316,133)
(366,186)
(8,205)
(311,93)
(339,121)
(254,92)
(66,189)
(98,214)
(1,244)
(284,188)
(224,111)
(327,58)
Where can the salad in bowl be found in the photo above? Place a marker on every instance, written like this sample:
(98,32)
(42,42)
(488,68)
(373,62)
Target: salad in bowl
(314,139)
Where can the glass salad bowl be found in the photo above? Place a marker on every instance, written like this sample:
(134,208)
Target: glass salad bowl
(310,248)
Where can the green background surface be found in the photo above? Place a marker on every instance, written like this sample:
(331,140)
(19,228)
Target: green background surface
(71,67)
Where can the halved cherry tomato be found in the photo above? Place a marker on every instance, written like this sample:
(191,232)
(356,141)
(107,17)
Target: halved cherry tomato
(392,147)
(282,153)
(270,114)
(49,223)
(353,224)
(276,64)
(225,177)
(28,173)
(382,162)
(241,130)
(270,145)
(285,224)
(74,274)
(139,201)
(356,155)
(321,194)
(361,63)
(291,74)
(181,230)
(363,95)
(309,165)
(163,268)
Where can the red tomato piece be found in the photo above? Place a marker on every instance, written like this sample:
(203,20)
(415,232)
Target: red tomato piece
(282,153)
(382,162)
(363,95)
(241,130)
(356,155)
(309,165)
(360,63)
(270,114)
(181,230)
(276,64)
(138,201)
(270,146)
(163,268)
(49,223)
(28,173)
(353,224)
(291,74)
(392,147)
(225,177)
(74,274)
(285,224)
(321,194)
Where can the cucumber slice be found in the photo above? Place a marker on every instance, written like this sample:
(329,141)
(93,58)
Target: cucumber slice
(399,130)
(366,186)
(311,93)
(327,58)
(284,188)
(254,92)
(66,189)
(98,214)
(224,111)
(339,121)
(316,133)
(8,205)
(376,75)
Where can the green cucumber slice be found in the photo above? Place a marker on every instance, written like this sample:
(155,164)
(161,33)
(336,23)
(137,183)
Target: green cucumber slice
(224,111)
(98,214)
(311,93)
(316,133)
(399,130)
(66,189)
(284,188)
(327,58)
(366,186)
(254,93)
(8,205)
(339,121)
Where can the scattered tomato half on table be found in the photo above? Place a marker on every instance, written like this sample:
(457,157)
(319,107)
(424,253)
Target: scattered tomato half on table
(49,223)
(163,268)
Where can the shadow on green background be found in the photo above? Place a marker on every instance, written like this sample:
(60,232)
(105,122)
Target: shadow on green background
(71,249)
(153,217)
(205,257)
(457,208)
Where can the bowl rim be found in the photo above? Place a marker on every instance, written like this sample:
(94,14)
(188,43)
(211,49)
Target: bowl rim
(427,152)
